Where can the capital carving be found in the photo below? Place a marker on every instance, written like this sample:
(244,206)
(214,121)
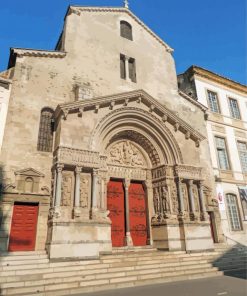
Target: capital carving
(96,108)
(60,168)
(65,114)
(78,169)
(187,135)
(176,126)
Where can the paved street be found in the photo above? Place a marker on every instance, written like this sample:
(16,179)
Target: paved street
(218,286)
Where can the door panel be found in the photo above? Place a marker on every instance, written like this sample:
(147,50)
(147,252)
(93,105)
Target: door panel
(138,214)
(23,227)
(115,204)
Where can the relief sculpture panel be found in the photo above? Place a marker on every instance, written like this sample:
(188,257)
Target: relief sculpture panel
(126,153)
(67,188)
(85,190)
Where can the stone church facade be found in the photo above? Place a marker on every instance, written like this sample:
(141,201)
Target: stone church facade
(101,149)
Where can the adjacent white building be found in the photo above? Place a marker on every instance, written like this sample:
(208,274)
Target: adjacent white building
(5,88)
(227,136)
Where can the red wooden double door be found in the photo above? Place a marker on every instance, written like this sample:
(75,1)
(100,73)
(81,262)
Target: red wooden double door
(23,227)
(116,204)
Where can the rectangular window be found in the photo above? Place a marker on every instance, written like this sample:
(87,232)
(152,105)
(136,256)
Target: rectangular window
(213,102)
(235,113)
(132,69)
(122,67)
(242,149)
(222,153)
(233,212)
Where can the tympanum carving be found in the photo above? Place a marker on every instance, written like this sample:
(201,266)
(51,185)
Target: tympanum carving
(125,153)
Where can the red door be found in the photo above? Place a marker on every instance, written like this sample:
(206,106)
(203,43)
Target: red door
(115,204)
(138,214)
(23,227)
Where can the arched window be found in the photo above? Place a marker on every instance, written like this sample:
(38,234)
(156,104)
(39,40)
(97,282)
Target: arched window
(233,212)
(29,184)
(126,30)
(45,139)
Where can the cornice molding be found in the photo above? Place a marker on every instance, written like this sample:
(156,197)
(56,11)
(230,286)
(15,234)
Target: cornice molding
(78,9)
(20,52)
(4,80)
(218,78)
(139,96)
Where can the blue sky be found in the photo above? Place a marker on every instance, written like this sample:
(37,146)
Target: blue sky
(210,33)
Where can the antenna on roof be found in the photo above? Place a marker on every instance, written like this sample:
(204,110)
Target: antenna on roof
(126,3)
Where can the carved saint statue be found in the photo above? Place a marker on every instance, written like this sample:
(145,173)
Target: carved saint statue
(156,202)
(165,200)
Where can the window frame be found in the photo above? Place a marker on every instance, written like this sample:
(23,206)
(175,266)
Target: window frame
(227,152)
(229,98)
(242,142)
(218,101)
(130,37)
(133,60)
(39,142)
(237,210)
(122,58)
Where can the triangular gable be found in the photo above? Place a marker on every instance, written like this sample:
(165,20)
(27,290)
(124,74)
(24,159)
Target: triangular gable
(78,9)
(124,98)
(29,172)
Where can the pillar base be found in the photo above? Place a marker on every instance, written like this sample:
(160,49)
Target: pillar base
(77,239)
(167,236)
(197,236)
(128,240)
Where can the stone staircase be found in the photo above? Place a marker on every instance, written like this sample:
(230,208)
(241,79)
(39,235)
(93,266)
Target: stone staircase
(32,274)
(231,259)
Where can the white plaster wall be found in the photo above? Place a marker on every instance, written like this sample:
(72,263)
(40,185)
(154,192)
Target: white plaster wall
(228,128)
(228,124)
(4,102)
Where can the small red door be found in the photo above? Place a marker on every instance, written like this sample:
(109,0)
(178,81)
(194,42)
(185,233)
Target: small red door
(138,214)
(23,227)
(115,204)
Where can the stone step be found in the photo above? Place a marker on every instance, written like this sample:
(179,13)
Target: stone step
(23,257)
(106,281)
(26,253)
(44,263)
(86,276)
(81,265)
(23,262)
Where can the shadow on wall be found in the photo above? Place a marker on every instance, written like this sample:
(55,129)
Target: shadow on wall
(233,260)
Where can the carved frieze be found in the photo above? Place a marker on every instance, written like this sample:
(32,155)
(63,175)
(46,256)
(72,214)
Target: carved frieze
(126,153)
(84,158)
(127,172)
(174,198)
(188,172)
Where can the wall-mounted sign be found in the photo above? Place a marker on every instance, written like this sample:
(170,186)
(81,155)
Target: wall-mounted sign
(220,197)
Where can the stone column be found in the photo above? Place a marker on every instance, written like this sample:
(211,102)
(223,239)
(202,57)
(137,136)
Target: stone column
(180,196)
(59,185)
(77,191)
(202,201)
(191,198)
(54,188)
(126,60)
(95,189)
(128,238)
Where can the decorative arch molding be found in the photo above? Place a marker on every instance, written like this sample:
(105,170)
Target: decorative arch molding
(162,146)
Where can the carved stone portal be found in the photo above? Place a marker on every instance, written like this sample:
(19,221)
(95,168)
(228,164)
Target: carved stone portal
(125,153)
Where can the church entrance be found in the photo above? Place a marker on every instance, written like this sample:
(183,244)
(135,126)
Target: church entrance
(135,218)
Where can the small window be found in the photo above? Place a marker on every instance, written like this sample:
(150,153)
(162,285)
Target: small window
(132,69)
(126,30)
(232,207)
(213,102)
(222,153)
(122,67)
(45,138)
(235,113)
(242,149)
